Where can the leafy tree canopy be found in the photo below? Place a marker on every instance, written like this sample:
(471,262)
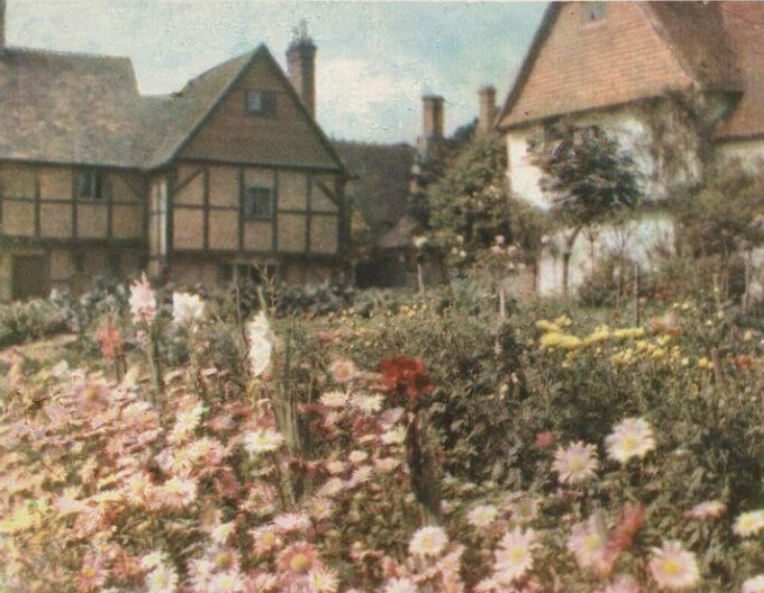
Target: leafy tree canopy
(587,175)
(470,202)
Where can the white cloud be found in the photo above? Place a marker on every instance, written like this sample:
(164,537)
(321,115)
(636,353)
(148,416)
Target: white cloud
(365,100)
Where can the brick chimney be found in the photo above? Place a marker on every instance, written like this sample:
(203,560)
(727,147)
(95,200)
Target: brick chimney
(488,111)
(301,58)
(2,26)
(433,117)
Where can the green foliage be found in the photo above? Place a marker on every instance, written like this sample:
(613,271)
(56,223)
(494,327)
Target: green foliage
(470,201)
(32,320)
(724,216)
(587,174)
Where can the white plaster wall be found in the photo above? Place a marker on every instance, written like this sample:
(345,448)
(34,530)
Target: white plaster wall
(523,177)
(749,153)
(640,240)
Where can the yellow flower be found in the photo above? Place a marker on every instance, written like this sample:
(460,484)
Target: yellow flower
(601,334)
(20,520)
(704,363)
(550,340)
(547,326)
(658,353)
(569,342)
(629,333)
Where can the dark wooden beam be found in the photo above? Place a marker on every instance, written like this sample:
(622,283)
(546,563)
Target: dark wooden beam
(309,206)
(206,208)
(275,214)
(242,193)
(37,209)
(75,205)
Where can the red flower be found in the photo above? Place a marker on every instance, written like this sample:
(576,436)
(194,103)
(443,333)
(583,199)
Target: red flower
(545,439)
(622,536)
(406,376)
(109,338)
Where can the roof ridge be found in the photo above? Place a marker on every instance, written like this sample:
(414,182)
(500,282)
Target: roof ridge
(217,67)
(401,144)
(64,54)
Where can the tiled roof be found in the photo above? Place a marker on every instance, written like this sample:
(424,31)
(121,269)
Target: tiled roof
(87,110)
(744,22)
(637,50)
(71,108)
(380,180)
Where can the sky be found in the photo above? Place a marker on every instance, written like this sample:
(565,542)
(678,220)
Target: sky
(375,59)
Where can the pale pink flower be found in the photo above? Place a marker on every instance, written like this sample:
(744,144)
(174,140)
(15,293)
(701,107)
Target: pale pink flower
(394,436)
(334,399)
(709,509)
(226,582)
(343,370)
(624,583)
(368,404)
(575,463)
(177,492)
(335,467)
(266,539)
(748,524)
(358,456)
(428,541)
(673,567)
(331,487)
(401,585)
(482,515)
(588,541)
(92,575)
(524,509)
(322,580)
(163,579)
(143,304)
(633,437)
(186,308)
(262,342)
(321,508)
(360,476)
(298,559)
(514,556)
(200,572)
(221,533)
(754,584)
(262,441)
(292,522)
(386,464)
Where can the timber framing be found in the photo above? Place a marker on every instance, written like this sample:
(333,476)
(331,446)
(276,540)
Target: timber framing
(168,166)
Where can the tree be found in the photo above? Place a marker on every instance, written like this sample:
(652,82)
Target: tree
(723,219)
(469,204)
(589,179)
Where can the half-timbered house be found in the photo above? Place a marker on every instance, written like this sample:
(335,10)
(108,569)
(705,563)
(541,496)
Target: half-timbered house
(229,176)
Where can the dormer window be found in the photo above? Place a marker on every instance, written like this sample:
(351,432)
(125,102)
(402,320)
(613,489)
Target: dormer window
(261,103)
(92,185)
(593,12)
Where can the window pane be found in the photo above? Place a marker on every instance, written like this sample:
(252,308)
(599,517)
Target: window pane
(255,102)
(85,184)
(261,103)
(258,203)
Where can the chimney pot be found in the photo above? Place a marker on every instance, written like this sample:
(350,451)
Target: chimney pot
(433,116)
(488,110)
(301,60)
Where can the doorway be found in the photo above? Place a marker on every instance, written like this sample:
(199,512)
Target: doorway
(31,277)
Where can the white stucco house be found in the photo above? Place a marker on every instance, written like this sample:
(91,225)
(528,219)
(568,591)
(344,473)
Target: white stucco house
(680,84)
